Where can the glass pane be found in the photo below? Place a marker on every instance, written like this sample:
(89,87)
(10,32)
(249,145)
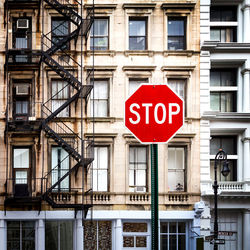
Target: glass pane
(100,90)
(102,180)
(175,27)
(215,34)
(215,101)
(132,151)
(66,235)
(104,235)
(176,158)
(128,241)
(137,28)
(215,145)
(164,227)
(21,42)
(172,227)
(131,178)
(141,154)
(141,241)
(13,235)
(164,242)
(28,235)
(60,27)
(176,43)
(134,84)
(172,242)
(178,86)
(179,158)
(137,43)
(228,144)
(51,235)
(227,102)
(215,78)
(101,27)
(95,180)
(101,43)
(181,242)
(103,157)
(228,78)
(181,227)
(141,178)
(21,177)
(21,158)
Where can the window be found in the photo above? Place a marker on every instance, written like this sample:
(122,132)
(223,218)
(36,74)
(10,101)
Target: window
(223,22)
(176,168)
(100,36)
(58,235)
(176,33)
(135,235)
(60,30)
(60,94)
(21,171)
(21,100)
(223,90)
(179,86)
(60,166)
(173,236)
(20,235)
(137,169)
(100,169)
(100,97)
(135,83)
(22,34)
(229,145)
(97,235)
(137,34)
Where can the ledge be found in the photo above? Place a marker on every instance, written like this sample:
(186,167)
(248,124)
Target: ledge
(216,46)
(101,135)
(101,68)
(138,68)
(231,116)
(188,53)
(178,68)
(101,119)
(101,53)
(101,6)
(139,5)
(149,53)
(178,5)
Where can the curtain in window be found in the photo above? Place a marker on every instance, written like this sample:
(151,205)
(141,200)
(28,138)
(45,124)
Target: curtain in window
(100,34)
(178,86)
(137,34)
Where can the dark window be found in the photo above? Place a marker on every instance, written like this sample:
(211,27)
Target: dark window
(59,235)
(21,100)
(20,235)
(60,30)
(99,38)
(137,34)
(229,145)
(223,90)
(176,33)
(223,13)
(223,34)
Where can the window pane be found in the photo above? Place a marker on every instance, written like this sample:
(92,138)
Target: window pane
(135,227)
(141,241)
(232,176)
(172,242)
(215,101)
(128,241)
(176,158)
(13,235)
(137,43)
(164,242)
(175,27)
(60,27)
(66,235)
(181,242)
(102,180)
(134,84)
(176,43)
(21,177)
(100,43)
(104,235)
(215,78)
(178,86)
(21,158)
(101,27)
(28,235)
(223,13)
(164,227)
(181,227)
(90,235)
(137,28)
(215,34)
(228,144)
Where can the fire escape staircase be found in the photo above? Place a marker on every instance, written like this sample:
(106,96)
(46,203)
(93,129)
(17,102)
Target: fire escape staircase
(52,125)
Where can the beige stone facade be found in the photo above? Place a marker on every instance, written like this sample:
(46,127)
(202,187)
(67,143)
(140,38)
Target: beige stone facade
(135,41)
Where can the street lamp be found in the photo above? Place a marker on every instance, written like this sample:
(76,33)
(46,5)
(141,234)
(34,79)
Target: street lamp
(220,156)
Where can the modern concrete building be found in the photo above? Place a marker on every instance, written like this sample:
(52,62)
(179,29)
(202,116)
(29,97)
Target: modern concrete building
(53,125)
(225,107)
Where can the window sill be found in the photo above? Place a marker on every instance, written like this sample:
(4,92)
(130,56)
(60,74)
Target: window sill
(179,52)
(101,119)
(139,53)
(101,53)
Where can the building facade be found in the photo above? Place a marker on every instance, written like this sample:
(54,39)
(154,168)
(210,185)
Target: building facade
(224,82)
(72,176)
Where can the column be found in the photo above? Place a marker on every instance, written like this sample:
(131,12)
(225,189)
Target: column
(3,234)
(246,90)
(118,234)
(246,170)
(40,235)
(79,235)
(246,17)
(246,229)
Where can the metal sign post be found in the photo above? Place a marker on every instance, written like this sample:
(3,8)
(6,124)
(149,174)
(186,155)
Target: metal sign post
(154,196)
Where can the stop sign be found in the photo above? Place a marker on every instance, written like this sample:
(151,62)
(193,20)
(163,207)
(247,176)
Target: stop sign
(154,113)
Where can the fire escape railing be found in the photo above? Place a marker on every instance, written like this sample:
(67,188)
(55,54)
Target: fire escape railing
(79,152)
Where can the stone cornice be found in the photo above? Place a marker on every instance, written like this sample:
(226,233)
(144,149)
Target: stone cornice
(101,6)
(178,5)
(101,135)
(138,68)
(139,5)
(101,68)
(178,68)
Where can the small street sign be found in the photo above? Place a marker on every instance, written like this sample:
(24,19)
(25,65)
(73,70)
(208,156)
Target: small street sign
(209,237)
(226,233)
(154,113)
(217,242)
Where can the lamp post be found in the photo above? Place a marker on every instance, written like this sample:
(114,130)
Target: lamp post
(220,156)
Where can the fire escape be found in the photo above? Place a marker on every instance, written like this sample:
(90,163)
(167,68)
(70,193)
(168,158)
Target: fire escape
(57,57)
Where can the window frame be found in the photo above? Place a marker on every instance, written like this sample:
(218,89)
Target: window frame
(135,186)
(224,24)
(230,157)
(134,18)
(57,18)
(184,19)
(67,86)
(185,167)
(98,36)
(108,166)
(92,113)
(222,89)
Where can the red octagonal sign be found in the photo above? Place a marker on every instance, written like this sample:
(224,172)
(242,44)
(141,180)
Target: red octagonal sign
(154,113)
